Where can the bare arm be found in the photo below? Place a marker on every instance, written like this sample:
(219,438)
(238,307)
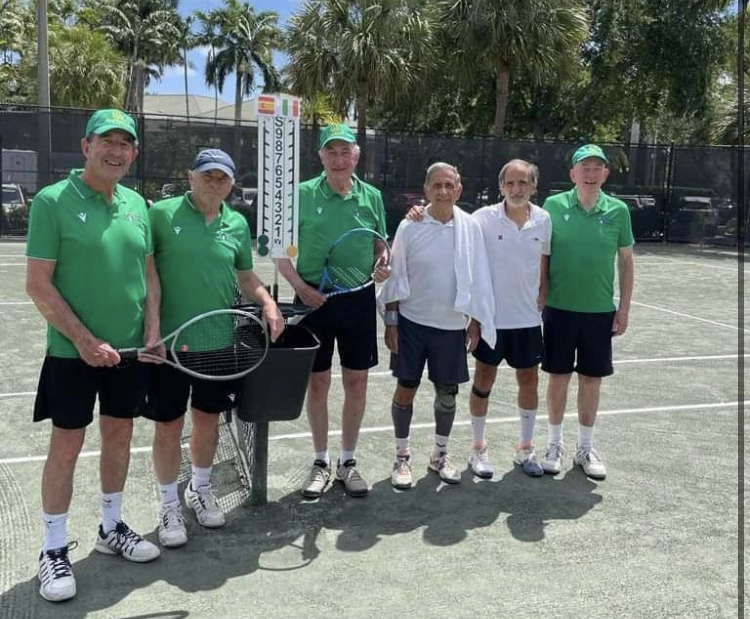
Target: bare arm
(307,293)
(151,320)
(626,275)
(543,283)
(253,288)
(57,312)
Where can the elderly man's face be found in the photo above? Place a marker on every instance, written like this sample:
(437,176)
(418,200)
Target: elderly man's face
(589,174)
(339,159)
(211,185)
(517,187)
(442,188)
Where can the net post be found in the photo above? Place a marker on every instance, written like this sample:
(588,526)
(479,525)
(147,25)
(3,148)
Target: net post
(259,469)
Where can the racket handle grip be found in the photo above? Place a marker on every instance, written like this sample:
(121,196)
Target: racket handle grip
(128,354)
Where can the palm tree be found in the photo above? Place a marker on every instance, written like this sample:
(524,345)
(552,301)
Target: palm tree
(501,39)
(243,41)
(357,49)
(85,70)
(145,31)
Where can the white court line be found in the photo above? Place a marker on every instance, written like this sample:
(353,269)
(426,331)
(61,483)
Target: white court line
(12,264)
(681,262)
(418,426)
(21,394)
(711,322)
(16,303)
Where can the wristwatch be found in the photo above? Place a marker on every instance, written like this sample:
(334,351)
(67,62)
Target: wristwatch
(390,318)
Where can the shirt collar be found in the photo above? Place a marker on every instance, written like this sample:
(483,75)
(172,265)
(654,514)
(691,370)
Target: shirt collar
(187,199)
(328,192)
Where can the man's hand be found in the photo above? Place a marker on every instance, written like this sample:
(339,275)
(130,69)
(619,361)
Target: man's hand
(620,323)
(274,319)
(382,271)
(391,339)
(153,347)
(415,213)
(97,353)
(473,334)
(310,296)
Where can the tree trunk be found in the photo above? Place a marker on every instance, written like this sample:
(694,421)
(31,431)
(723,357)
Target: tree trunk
(237,155)
(502,94)
(361,107)
(187,95)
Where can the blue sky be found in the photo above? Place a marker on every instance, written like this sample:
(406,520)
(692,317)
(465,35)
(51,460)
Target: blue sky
(173,80)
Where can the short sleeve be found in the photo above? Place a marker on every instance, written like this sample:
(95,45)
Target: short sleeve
(44,229)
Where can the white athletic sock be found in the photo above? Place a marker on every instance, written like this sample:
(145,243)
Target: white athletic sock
(346,455)
(111,510)
(554,433)
(168,493)
(324,456)
(585,437)
(201,477)
(402,446)
(528,417)
(55,531)
(477,429)
(441,444)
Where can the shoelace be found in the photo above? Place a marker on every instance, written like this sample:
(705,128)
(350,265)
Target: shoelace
(172,517)
(207,499)
(481,456)
(555,452)
(402,466)
(125,539)
(592,456)
(58,561)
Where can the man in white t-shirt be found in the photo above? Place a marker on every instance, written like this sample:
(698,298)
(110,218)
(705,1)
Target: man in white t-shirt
(438,294)
(516,234)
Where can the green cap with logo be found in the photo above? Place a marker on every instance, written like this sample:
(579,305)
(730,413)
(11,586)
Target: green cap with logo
(102,121)
(337,132)
(586,151)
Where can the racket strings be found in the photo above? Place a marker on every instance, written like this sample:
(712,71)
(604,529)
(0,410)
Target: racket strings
(221,345)
(352,260)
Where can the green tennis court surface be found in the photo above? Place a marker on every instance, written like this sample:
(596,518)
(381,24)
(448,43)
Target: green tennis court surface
(657,539)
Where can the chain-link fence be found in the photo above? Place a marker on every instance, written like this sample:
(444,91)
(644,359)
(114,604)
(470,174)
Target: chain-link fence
(675,193)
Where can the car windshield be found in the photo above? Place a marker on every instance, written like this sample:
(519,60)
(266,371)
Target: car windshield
(11,194)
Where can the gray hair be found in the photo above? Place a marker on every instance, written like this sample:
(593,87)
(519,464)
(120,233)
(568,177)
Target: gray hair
(532,172)
(440,165)
(355,148)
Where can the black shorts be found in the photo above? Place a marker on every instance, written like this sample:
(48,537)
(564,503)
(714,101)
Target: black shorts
(577,341)
(349,321)
(169,390)
(443,350)
(520,348)
(68,389)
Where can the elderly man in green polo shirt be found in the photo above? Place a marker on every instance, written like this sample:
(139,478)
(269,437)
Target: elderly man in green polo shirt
(589,230)
(91,274)
(331,204)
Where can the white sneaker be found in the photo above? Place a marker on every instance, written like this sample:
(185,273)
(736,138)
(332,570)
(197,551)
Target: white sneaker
(552,462)
(207,510)
(442,464)
(401,476)
(56,579)
(172,529)
(317,480)
(591,463)
(480,464)
(122,541)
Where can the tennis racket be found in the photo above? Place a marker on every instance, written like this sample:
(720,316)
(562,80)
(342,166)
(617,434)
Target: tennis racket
(217,345)
(351,261)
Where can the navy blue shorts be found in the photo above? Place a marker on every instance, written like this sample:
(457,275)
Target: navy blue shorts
(443,350)
(519,348)
(348,321)
(577,342)
(68,389)
(169,390)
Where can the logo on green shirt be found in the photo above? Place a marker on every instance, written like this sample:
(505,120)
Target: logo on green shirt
(82,217)
(177,230)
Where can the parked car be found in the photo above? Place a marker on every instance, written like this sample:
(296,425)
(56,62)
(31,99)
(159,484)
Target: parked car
(244,200)
(14,218)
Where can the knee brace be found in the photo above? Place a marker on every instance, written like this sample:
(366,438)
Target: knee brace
(445,398)
(409,384)
(480,394)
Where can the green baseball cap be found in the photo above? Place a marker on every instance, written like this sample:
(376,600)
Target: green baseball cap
(337,132)
(586,151)
(102,121)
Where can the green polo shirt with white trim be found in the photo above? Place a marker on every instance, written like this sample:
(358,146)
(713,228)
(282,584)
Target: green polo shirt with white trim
(196,261)
(583,251)
(325,215)
(99,250)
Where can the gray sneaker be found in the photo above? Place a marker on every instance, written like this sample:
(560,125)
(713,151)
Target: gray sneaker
(442,464)
(354,483)
(317,480)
